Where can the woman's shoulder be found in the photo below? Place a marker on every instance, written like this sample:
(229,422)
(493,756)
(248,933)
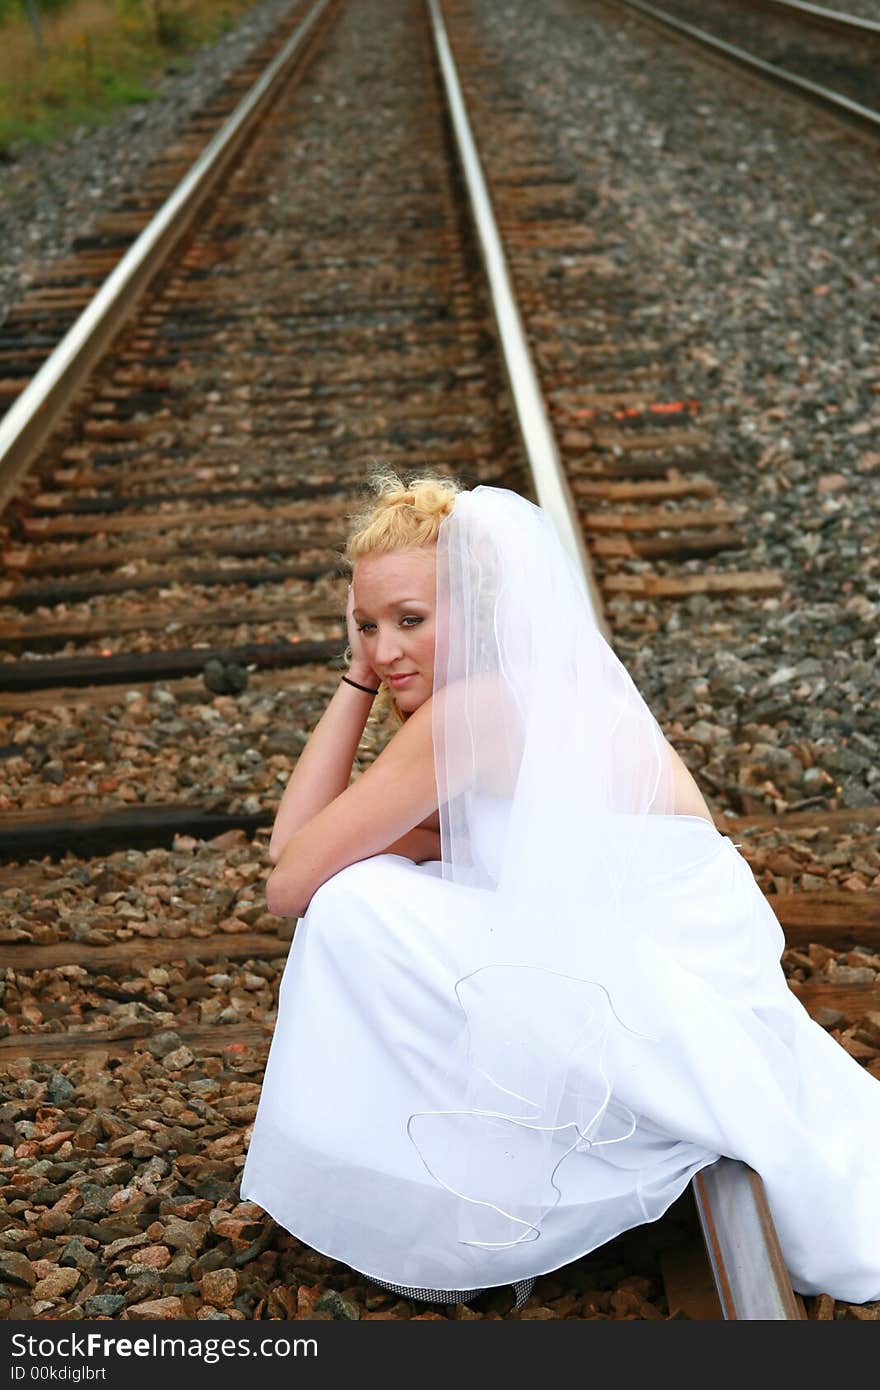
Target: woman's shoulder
(477,736)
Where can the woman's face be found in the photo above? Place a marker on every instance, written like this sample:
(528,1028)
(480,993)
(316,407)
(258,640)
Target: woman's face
(394,608)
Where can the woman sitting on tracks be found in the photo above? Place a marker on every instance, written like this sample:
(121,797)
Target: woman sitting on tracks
(533,990)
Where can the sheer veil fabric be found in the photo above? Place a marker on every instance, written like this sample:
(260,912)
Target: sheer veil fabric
(532,709)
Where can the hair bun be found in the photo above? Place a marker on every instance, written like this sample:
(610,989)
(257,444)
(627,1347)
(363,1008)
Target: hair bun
(403,514)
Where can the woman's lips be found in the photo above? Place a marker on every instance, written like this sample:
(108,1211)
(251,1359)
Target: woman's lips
(397,681)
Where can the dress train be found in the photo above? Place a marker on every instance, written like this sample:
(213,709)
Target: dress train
(713,1055)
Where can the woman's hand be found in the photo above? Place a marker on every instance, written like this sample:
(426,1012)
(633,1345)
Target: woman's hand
(360,668)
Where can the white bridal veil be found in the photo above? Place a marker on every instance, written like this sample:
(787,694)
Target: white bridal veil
(547,762)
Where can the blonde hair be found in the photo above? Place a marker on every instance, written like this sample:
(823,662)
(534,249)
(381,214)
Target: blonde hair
(403,515)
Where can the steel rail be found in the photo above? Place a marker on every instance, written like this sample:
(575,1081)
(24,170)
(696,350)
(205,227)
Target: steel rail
(836,102)
(742,1244)
(743,1247)
(844,23)
(40,407)
(539,440)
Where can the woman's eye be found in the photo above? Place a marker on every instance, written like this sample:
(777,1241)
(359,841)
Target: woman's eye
(409,618)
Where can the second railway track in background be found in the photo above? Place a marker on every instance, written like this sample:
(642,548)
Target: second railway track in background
(819,52)
(172,614)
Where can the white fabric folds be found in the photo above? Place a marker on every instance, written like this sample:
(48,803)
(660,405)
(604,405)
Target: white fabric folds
(487,1066)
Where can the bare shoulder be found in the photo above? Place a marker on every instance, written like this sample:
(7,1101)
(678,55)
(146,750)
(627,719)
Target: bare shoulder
(688,799)
(479,733)
(476,730)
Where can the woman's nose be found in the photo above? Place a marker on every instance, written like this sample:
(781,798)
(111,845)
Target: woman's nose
(388,646)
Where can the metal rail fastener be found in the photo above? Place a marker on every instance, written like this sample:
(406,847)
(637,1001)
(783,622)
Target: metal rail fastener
(39,409)
(742,1243)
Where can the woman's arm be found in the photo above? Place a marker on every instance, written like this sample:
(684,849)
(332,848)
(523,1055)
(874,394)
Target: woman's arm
(323,768)
(417,844)
(688,799)
(397,791)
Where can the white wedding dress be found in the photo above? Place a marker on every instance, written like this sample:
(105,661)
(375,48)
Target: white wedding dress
(360,1147)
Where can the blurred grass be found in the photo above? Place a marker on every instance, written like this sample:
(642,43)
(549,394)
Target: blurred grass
(99,55)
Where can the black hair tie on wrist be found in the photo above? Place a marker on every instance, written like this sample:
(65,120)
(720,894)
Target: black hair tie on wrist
(358,686)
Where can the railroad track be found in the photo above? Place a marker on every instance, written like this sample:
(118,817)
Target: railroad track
(824,55)
(172,601)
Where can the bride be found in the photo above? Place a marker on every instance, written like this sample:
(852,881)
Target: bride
(533,990)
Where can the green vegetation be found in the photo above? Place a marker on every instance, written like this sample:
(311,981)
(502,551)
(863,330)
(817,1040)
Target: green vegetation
(65,63)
